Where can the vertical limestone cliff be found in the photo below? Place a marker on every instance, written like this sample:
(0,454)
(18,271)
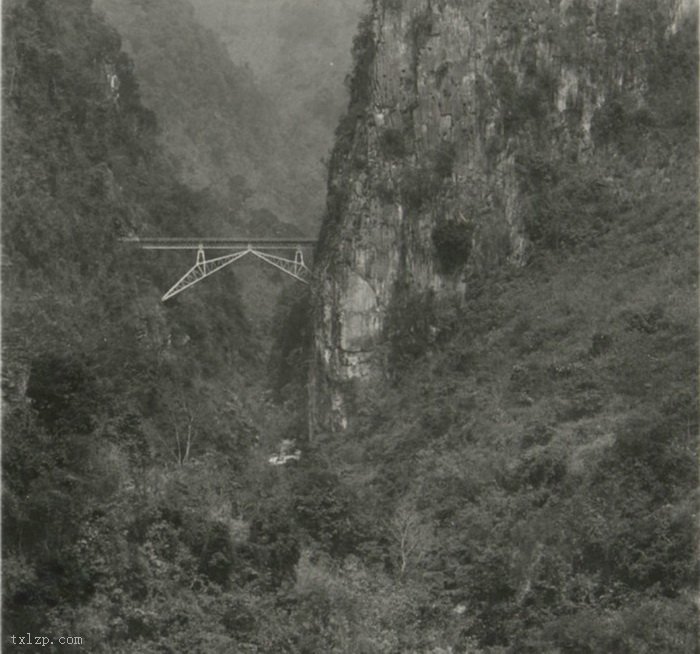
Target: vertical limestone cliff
(461,114)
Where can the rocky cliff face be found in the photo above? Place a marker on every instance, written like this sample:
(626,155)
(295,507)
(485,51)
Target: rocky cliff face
(462,116)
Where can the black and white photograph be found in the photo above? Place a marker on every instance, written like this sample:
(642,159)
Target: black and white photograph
(349,327)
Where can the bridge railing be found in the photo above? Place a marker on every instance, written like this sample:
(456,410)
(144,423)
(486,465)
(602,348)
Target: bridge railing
(216,243)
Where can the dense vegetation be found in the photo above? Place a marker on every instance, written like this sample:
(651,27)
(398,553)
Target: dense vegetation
(540,444)
(126,423)
(526,483)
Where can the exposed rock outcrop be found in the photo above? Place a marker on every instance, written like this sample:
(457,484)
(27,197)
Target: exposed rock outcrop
(453,106)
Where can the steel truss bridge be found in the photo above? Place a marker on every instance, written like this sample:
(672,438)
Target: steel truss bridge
(237,248)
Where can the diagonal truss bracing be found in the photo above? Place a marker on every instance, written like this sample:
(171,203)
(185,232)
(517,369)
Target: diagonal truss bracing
(296,268)
(204,267)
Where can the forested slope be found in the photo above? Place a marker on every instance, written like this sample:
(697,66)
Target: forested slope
(506,323)
(224,132)
(125,421)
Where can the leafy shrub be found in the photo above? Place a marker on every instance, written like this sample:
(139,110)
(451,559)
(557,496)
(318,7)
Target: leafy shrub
(344,134)
(600,344)
(543,468)
(441,72)
(526,102)
(359,85)
(287,363)
(565,204)
(655,447)
(419,30)
(443,159)
(62,390)
(324,509)
(582,403)
(620,122)
(664,625)
(646,322)
(385,190)
(272,548)
(239,617)
(392,5)
(453,243)
(409,326)
(420,185)
(673,89)
(505,85)
(392,143)
(537,434)
(526,379)
(216,553)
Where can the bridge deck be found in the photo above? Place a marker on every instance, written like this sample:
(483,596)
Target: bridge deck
(216,243)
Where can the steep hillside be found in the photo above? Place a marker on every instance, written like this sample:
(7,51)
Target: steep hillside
(220,128)
(533,461)
(121,416)
(481,135)
(505,364)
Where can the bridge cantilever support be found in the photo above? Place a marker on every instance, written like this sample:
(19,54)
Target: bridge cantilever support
(299,261)
(293,267)
(201,269)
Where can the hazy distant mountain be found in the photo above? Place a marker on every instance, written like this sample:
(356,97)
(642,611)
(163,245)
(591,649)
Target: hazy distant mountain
(223,130)
(299,53)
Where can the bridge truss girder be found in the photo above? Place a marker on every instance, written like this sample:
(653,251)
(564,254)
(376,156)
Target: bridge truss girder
(204,267)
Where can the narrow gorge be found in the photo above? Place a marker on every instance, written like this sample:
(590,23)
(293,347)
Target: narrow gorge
(474,431)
